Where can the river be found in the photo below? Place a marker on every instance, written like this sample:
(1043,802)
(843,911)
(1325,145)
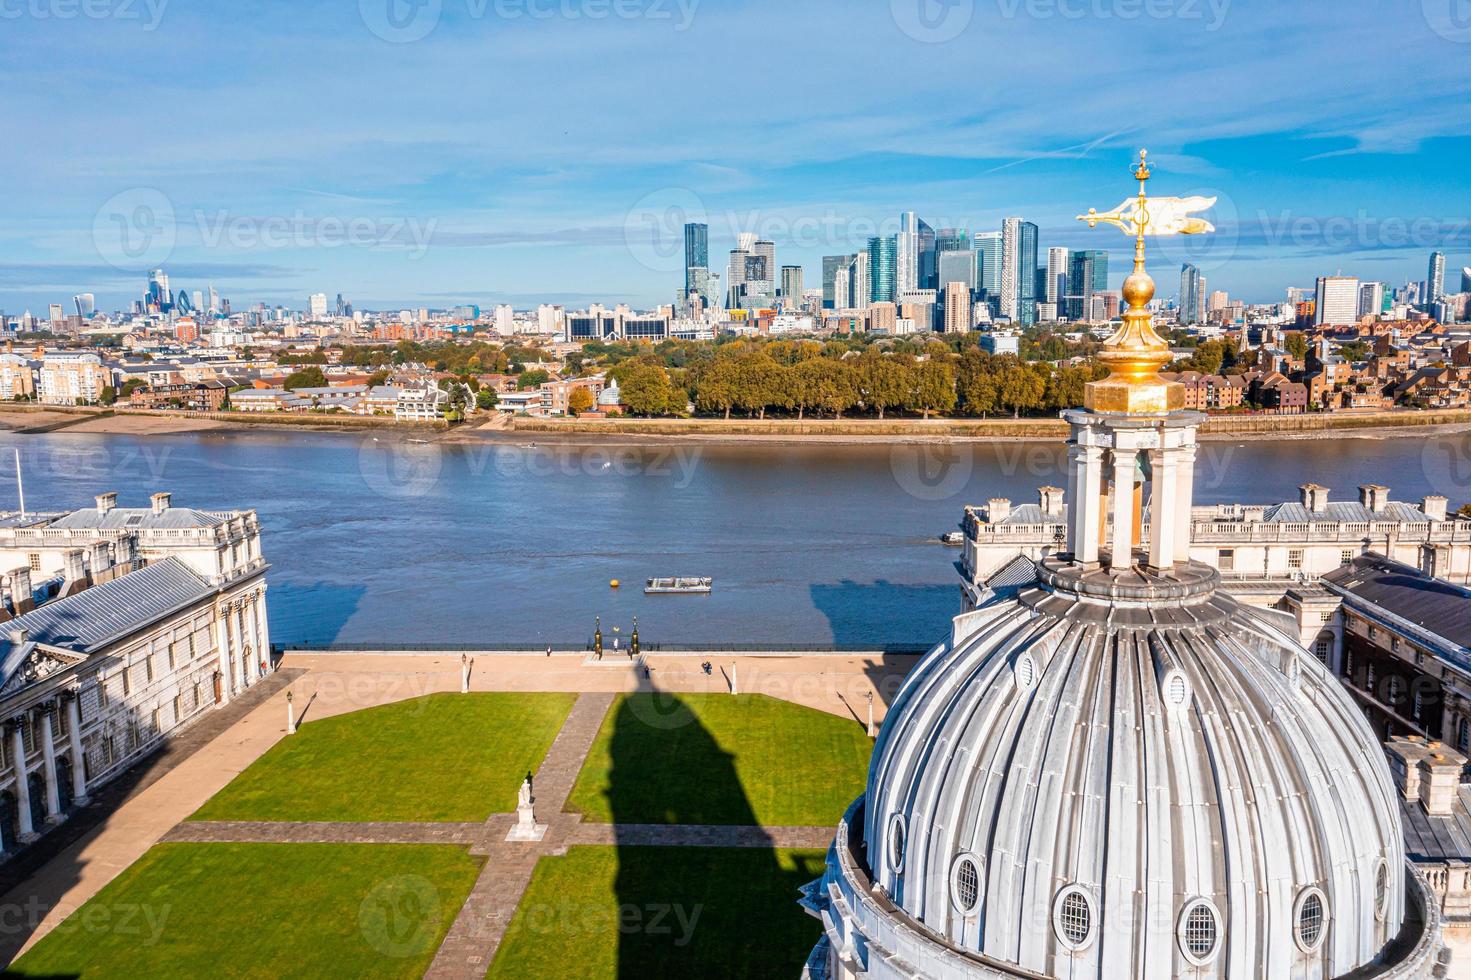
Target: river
(373,539)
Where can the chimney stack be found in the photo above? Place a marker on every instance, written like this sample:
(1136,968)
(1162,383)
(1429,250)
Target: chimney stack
(1373,496)
(124,552)
(75,564)
(1434,507)
(160,502)
(1050,499)
(101,561)
(998,509)
(106,502)
(20,590)
(18,636)
(1429,772)
(1314,497)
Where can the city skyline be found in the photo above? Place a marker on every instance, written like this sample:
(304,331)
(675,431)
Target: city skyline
(473,197)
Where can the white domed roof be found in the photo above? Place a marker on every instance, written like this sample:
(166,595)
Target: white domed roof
(1125,775)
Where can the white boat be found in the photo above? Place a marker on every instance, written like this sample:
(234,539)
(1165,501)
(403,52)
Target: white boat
(675,585)
(952,538)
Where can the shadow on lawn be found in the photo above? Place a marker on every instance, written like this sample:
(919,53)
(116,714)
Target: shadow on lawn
(696,911)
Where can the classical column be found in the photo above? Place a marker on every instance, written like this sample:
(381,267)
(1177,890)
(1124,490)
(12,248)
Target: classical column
(250,667)
(263,627)
(1124,463)
(1184,500)
(48,766)
(22,783)
(74,740)
(1085,507)
(222,638)
(1163,519)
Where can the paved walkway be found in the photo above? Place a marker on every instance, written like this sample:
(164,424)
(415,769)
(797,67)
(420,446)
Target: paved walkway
(331,684)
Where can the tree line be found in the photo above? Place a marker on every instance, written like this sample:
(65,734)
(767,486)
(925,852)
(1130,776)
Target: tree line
(802,378)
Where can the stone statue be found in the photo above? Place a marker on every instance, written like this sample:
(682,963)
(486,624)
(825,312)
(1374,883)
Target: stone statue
(526,827)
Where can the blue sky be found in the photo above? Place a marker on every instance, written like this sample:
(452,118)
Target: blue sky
(445,151)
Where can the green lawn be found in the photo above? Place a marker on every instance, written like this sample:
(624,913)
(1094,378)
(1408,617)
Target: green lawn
(721,759)
(264,910)
(453,757)
(606,912)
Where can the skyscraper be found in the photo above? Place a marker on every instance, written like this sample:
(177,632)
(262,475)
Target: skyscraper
(766,252)
(1190,295)
(1466,278)
(956,265)
(791,286)
(317,305)
(735,277)
(214,299)
(1337,300)
(85,303)
(1371,298)
(906,270)
(951,240)
(159,297)
(860,282)
(1057,273)
(1435,278)
(1087,277)
(988,263)
(956,296)
(926,244)
(883,260)
(831,266)
(1019,270)
(696,254)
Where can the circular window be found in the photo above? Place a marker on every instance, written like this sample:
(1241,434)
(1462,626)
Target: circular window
(1381,890)
(1177,689)
(1072,917)
(965,883)
(1311,919)
(1025,671)
(1199,931)
(896,843)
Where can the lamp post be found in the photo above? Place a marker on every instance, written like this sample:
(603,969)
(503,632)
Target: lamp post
(290,715)
(869,696)
(465,663)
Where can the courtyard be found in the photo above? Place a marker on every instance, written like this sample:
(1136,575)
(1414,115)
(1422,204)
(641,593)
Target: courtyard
(675,825)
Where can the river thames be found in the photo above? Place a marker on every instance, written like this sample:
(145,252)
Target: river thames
(376,540)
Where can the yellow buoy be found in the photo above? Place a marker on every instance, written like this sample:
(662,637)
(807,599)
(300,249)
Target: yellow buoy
(613,583)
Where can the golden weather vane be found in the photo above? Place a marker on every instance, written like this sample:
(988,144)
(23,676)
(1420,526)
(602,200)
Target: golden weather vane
(1135,353)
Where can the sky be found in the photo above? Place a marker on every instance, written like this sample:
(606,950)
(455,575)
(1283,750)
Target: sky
(412,153)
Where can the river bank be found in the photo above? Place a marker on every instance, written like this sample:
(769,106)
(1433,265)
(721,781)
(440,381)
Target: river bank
(34,419)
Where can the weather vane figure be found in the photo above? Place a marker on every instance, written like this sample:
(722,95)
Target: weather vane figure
(1135,353)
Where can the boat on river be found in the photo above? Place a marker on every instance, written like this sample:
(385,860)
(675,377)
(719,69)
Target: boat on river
(678,586)
(953,538)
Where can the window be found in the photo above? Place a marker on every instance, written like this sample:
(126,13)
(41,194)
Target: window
(1199,932)
(1415,711)
(1025,671)
(1294,558)
(1346,557)
(1463,734)
(34,561)
(1348,664)
(1381,890)
(896,843)
(1226,559)
(1369,679)
(1072,918)
(1311,920)
(1177,689)
(1394,690)
(1322,648)
(965,884)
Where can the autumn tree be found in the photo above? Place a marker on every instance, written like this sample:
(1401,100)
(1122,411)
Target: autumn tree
(581,400)
(934,388)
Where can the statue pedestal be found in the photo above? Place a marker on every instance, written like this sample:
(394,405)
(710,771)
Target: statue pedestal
(526,828)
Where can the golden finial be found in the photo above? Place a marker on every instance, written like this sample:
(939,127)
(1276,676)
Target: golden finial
(1135,353)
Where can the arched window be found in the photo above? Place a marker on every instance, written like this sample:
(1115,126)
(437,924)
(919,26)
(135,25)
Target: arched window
(1463,734)
(1323,647)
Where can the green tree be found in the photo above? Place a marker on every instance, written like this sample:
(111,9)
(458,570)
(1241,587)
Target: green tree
(129,386)
(377,378)
(1065,387)
(645,389)
(486,399)
(1296,344)
(308,377)
(108,395)
(976,382)
(532,379)
(1020,389)
(934,389)
(581,400)
(824,384)
(755,382)
(883,382)
(715,386)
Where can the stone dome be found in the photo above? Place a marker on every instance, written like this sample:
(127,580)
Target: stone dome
(1108,775)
